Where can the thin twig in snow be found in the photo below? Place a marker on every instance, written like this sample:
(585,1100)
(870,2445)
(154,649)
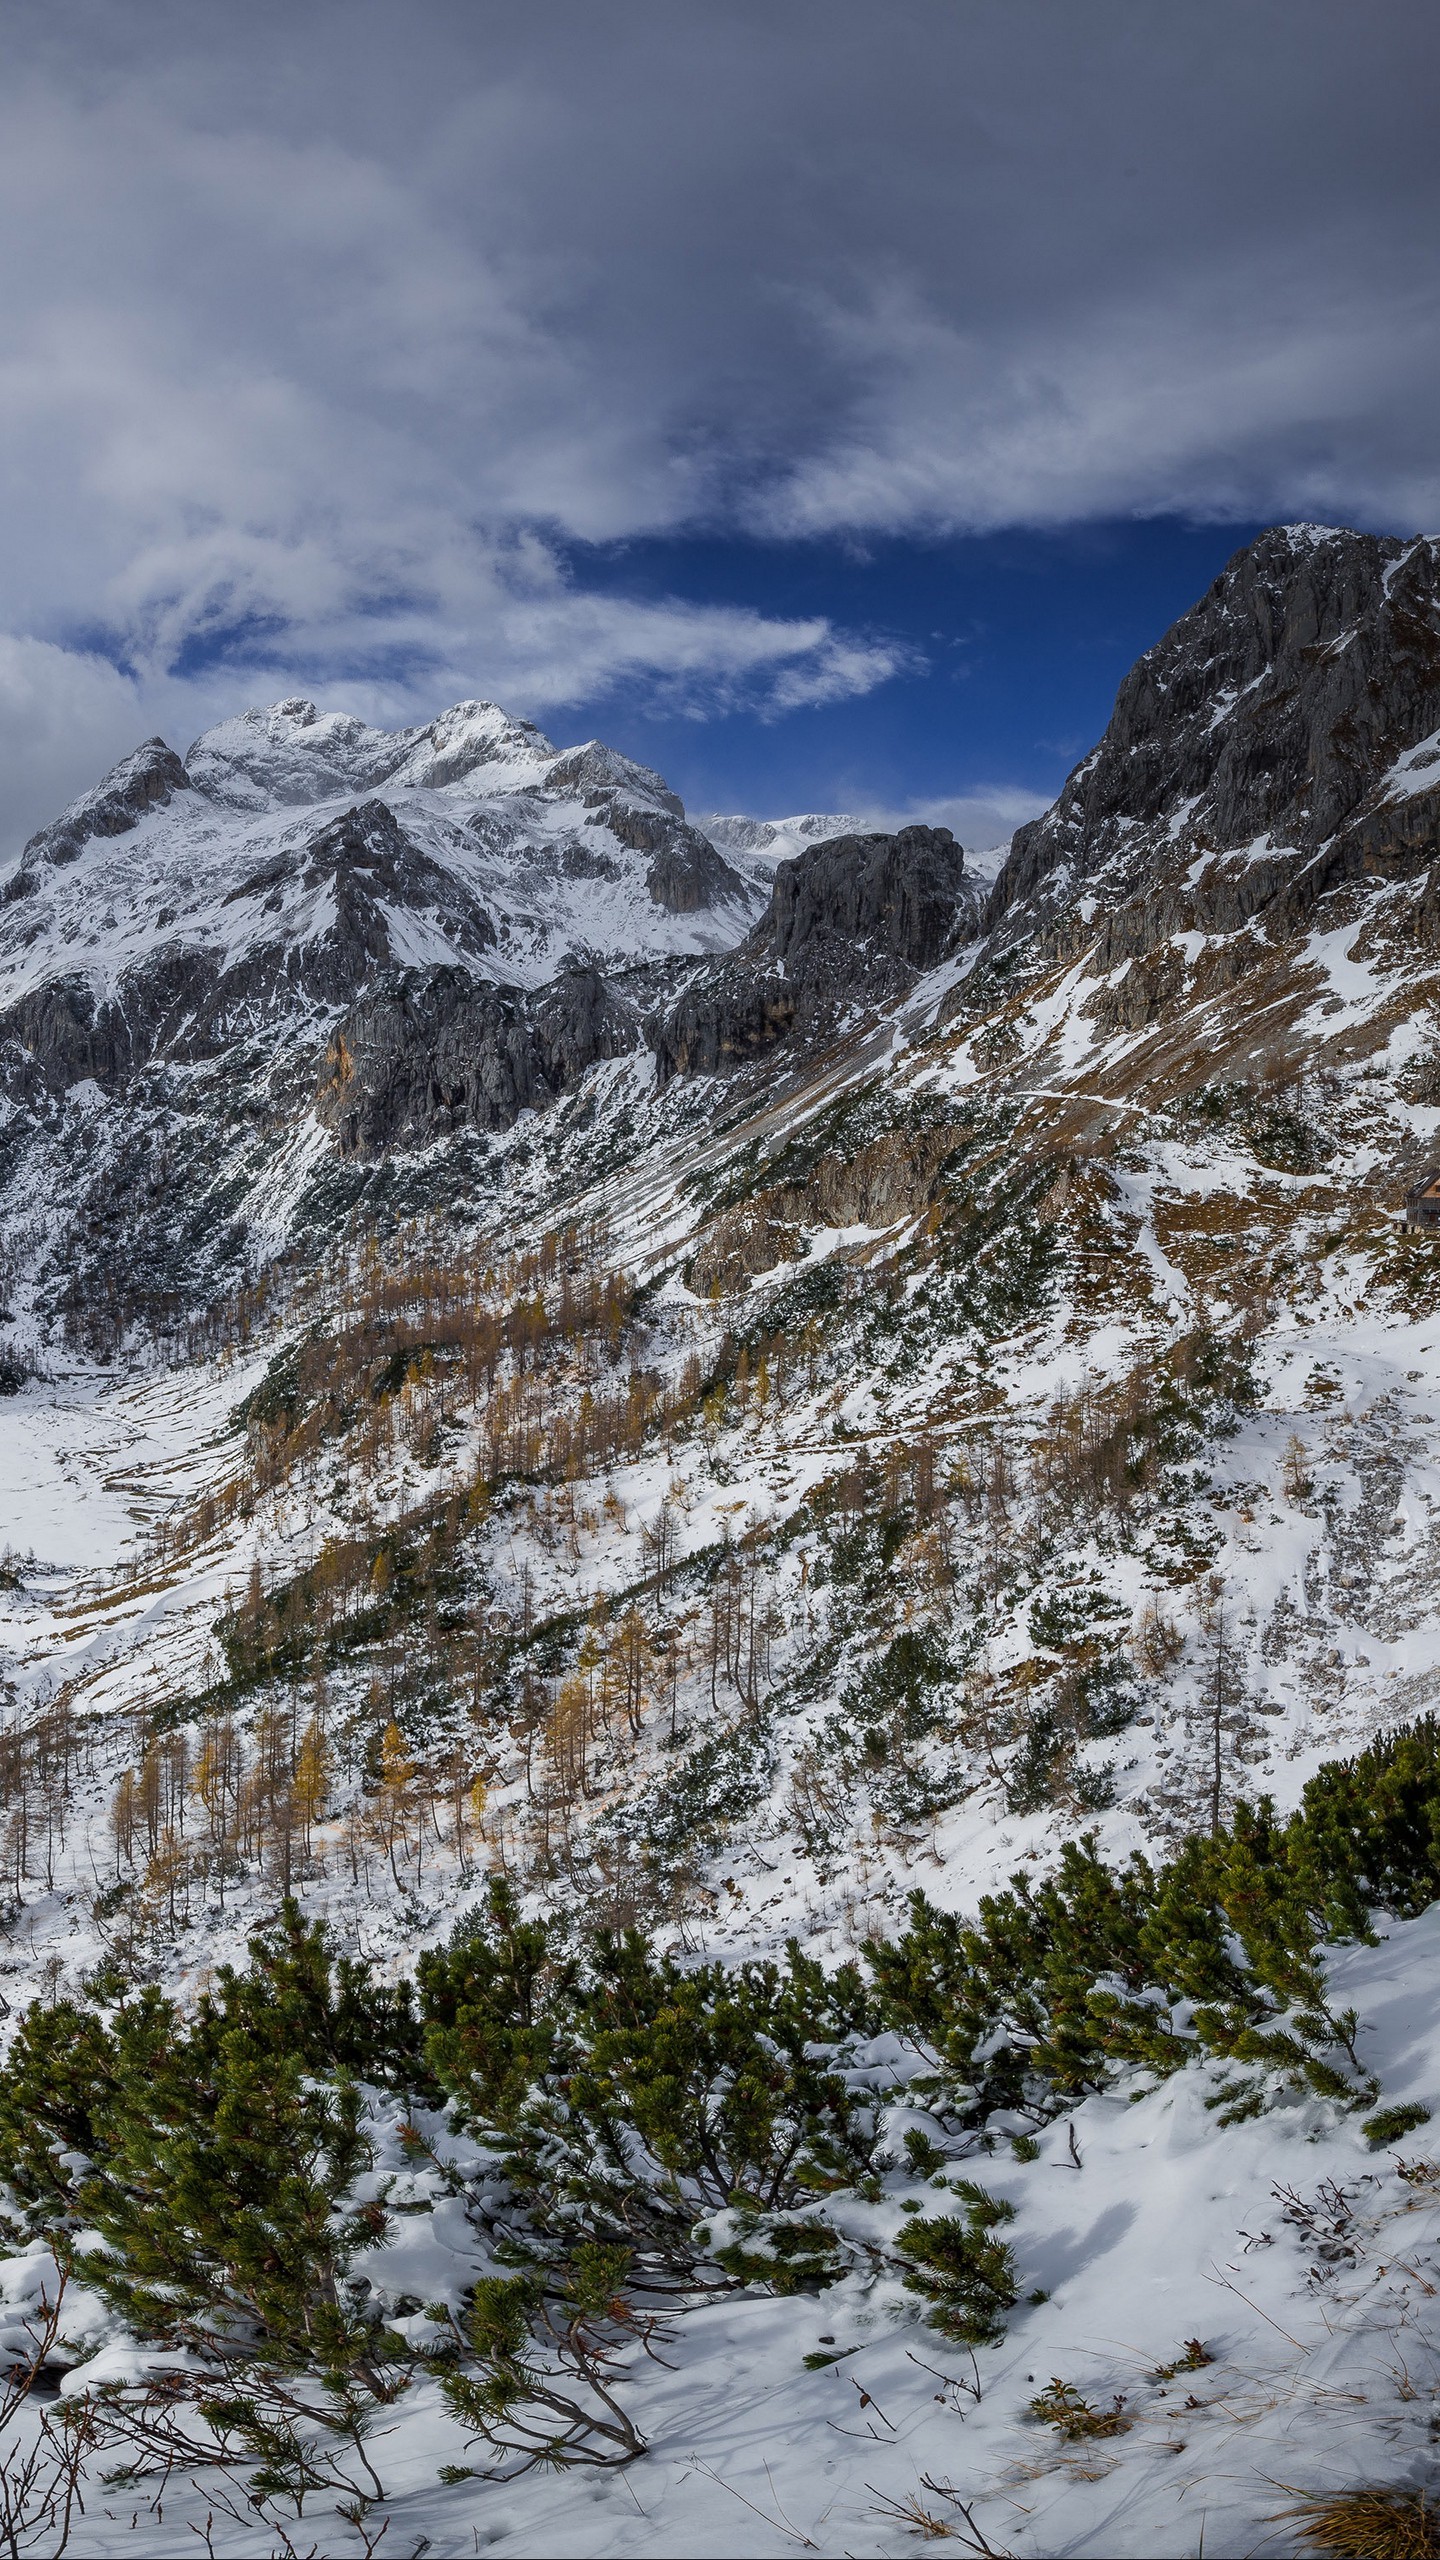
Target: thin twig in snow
(783,2525)
(1211,2278)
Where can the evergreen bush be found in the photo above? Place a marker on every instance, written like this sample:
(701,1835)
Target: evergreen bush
(964,2272)
(649,2122)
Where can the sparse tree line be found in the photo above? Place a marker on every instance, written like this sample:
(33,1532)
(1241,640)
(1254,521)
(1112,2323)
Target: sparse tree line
(45,1753)
(524,1381)
(240,1806)
(649,2129)
(894,1528)
(931,1529)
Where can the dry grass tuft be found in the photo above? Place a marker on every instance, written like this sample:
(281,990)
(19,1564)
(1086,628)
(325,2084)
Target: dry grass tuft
(1371,2524)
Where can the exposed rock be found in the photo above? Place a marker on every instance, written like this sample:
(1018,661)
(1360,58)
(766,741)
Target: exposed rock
(898,896)
(1278,717)
(594,772)
(739,1245)
(146,780)
(578,1020)
(448,902)
(892,1178)
(183,1004)
(190,1003)
(852,921)
(687,872)
(1142,994)
(728,1013)
(369,863)
(424,1053)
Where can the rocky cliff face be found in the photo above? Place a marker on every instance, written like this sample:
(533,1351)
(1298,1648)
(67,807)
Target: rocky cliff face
(1280,741)
(430,1052)
(852,922)
(310,949)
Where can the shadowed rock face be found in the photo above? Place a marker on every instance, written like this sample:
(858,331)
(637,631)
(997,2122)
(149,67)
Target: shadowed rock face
(854,920)
(687,873)
(897,897)
(426,1053)
(1276,709)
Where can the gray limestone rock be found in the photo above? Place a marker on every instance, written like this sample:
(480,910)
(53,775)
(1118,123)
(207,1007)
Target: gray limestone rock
(1269,721)
(370,864)
(851,921)
(426,1052)
(895,897)
(140,782)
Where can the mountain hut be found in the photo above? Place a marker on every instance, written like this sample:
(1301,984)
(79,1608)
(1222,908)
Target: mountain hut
(1422,1200)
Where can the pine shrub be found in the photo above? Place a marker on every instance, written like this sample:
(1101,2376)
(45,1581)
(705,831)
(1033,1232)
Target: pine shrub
(964,2272)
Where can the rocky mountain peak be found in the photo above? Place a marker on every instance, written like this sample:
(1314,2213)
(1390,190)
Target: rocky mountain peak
(291,755)
(1277,710)
(142,781)
(686,873)
(595,771)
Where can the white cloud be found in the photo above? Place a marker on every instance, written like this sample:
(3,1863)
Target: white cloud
(323,332)
(981,819)
(285,421)
(1141,404)
(51,701)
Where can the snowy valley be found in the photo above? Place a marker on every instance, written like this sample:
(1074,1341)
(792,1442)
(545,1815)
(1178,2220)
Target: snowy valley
(597,1402)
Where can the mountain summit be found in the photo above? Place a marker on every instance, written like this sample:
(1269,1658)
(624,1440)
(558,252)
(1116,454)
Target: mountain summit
(800,1506)
(1289,725)
(234,984)
(183,948)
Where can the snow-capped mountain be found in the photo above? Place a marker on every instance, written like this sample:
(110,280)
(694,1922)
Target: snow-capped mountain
(180,947)
(760,1404)
(295,849)
(310,943)
(772,840)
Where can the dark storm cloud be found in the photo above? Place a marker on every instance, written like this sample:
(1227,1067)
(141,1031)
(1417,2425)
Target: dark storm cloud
(323,328)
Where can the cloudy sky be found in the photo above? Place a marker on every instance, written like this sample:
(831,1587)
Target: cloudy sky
(824,399)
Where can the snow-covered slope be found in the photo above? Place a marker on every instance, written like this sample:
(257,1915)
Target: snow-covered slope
(771,840)
(997,1405)
(492,848)
(178,951)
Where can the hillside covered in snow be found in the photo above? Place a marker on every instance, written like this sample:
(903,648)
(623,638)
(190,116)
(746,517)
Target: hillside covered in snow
(740,1453)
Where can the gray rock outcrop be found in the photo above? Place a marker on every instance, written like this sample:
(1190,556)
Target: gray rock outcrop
(852,921)
(146,780)
(686,872)
(1268,723)
(423,1054)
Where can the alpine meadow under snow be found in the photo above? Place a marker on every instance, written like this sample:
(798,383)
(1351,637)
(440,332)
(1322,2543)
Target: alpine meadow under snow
(720,1791)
